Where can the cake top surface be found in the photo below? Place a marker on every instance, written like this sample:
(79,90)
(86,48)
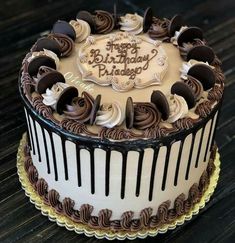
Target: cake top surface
(122,77)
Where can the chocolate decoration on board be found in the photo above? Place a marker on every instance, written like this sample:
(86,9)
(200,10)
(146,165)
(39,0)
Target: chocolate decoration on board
(189,35)
(129,113)
(39,61)
(47,80)
(185,91)
(49,44)
(65,97)
(63,27)
(86,16)
(95,108)
(201,53)
(147,21)
(204,74)
(175,24)
(160,101)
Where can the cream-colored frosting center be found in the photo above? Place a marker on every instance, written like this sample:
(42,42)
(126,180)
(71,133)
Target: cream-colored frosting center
(69,68)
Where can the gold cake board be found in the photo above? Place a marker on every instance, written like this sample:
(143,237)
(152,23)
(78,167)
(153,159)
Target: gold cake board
(108,234)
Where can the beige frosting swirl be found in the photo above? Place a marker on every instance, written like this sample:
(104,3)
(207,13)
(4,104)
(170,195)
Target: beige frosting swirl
(187,65)
(178,108)
(110,115)
(82,29)
(51,96)
(177,33)
(132,23)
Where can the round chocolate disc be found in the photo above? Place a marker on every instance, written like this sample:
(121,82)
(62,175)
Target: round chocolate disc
(185,91)
(148,18)
(39,61)
(189,34)
(47,80)
(115,15)
(86,16)
(204,74)
(63,27)
(175,24)
(201,53)
(49,44)
(129,113)
(65,97)
(95,108)
(160,101)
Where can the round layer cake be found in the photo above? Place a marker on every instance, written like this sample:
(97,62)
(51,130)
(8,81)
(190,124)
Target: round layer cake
(121,113)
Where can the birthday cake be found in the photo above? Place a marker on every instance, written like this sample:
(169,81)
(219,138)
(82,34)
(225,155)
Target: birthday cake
(121,113)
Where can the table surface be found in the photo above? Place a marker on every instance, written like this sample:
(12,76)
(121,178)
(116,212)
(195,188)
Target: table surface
(21,23)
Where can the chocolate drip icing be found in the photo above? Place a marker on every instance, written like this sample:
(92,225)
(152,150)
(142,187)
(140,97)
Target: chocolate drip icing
(204,109)
(76,127)
(85,213)
(215,94)
(80,108)
(117,133)
(65,43)
(68,205)
(145,115)
(164,214)
(145,215)
(185,123)
(195,85)
(104,22)
(186,47)
(159,28)
(42,187)
(32,174)
(179,204)
(104,218)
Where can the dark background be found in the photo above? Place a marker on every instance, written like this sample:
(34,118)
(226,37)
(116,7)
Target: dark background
(21,23)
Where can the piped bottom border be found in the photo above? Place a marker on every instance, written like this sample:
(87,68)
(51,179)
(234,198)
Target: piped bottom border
(79,228)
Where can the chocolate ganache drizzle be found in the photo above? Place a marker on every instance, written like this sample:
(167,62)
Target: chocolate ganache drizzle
(164,215)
